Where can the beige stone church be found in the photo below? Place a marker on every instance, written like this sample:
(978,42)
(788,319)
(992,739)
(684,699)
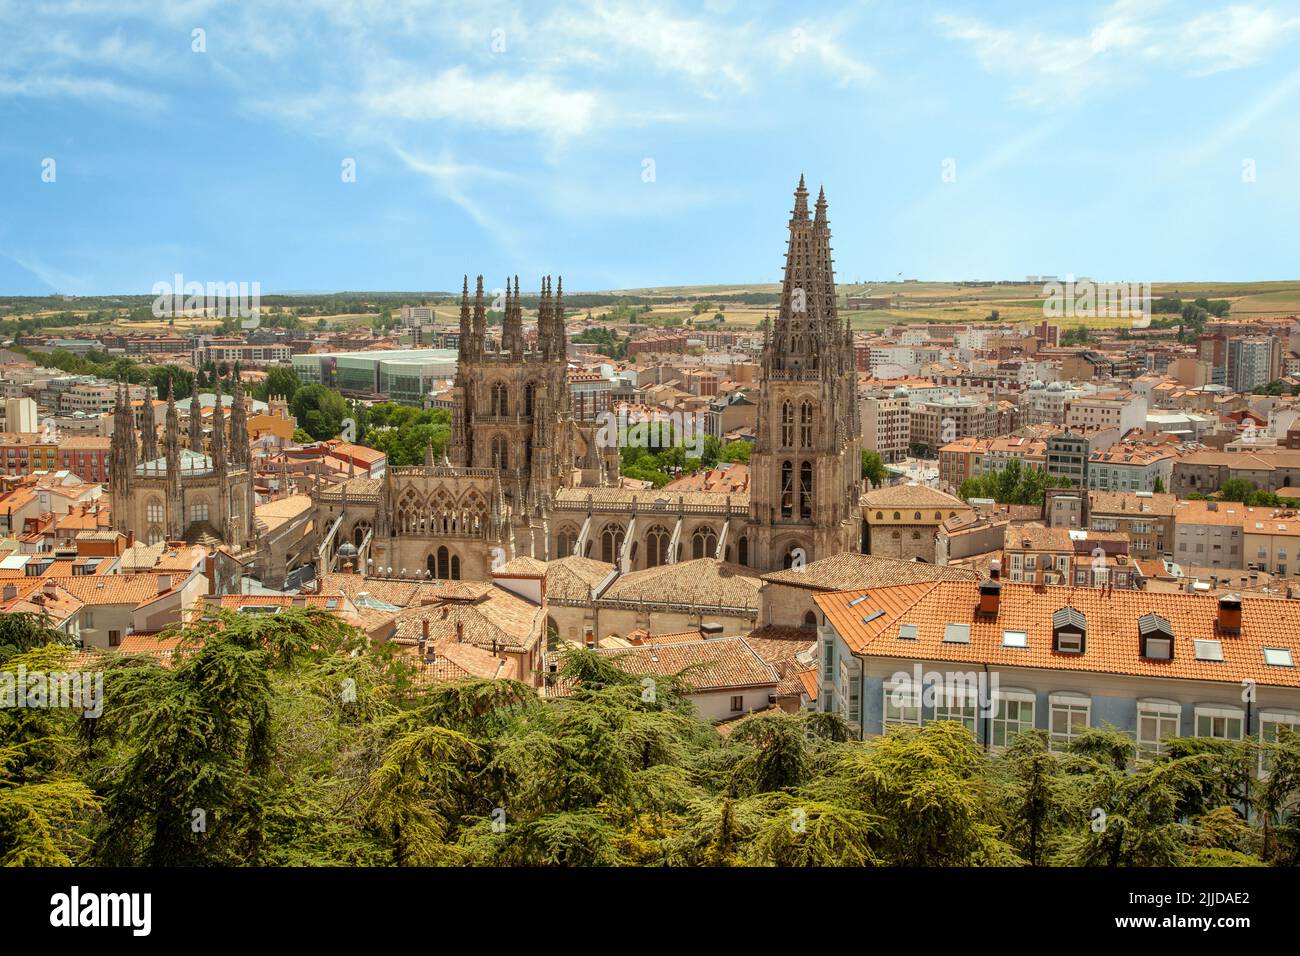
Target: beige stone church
(523,478)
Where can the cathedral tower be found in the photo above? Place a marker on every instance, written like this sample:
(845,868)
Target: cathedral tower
(806,462)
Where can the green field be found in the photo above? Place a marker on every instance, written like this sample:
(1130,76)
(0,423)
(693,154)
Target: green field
(939,302)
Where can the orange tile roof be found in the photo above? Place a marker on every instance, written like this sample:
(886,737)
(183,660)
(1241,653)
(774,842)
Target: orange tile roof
(1112,636)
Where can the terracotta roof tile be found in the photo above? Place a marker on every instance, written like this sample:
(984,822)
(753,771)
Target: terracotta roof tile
(1112,637)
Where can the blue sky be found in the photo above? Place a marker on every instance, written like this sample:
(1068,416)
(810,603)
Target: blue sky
(1110,140)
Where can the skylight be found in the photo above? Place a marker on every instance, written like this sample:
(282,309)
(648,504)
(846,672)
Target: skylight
(1209,650)
(872,616)
(907,632)
(857,600)
(1015,638)
(956,633)
(1278,656)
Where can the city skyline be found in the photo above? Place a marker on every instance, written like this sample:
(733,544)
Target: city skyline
(630,146)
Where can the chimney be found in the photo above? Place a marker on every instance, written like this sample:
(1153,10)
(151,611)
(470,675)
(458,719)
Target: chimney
(589,638)
(10,592)
(164,583)
(1229,621)
(460,632)
(990,598)
(995,569)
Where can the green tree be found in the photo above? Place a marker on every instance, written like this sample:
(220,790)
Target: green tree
(873,468)
(319,410)
(279,381)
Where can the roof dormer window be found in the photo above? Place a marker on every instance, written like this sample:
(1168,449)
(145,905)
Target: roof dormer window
(1155,637)
(1069,631)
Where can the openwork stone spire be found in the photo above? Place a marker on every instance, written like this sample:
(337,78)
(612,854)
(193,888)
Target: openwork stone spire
(466,324)
(196,415)
(806,338)
(239,449)
(148,428)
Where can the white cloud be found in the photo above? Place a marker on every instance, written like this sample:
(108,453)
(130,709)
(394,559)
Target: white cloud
(1235,37)
(81,88)
(534,103)
(819,43)
(1127,38)
(450,180)
(705,53)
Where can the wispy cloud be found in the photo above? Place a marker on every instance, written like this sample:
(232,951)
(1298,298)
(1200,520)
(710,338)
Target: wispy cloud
(1124,40)
(451,180)
(533,103)
(81,88)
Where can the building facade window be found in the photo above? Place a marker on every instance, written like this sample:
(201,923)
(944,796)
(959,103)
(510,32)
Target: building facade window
(1015,713)
(1156,721)
(1219,723)
(1271,722)
(1070,714)
(902,705)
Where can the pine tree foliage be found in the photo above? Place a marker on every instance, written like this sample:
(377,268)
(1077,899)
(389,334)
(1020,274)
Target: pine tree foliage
(286,740)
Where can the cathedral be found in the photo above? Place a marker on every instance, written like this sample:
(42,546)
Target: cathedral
(176,493)
(522,477)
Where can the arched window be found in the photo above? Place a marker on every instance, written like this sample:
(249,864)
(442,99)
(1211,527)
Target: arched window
(805,425)
(742,551)
(611,543)
(880,515)
(805,489)
(704,544)
(359,532)
(897,516)
(787,425)
(917,516)
(153,511)
(500,453)
(155,536)
(500,399)
(916,536)
(565,542)
(529,391)
(410,512)
(455,567)
(810,619)
(787,490)
(444,563)
(431,566)
(656,546)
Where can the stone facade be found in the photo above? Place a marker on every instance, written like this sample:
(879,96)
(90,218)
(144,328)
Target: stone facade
(192,494)
(523,477)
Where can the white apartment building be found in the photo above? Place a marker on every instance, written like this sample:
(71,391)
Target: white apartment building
(1129,467)
(887,424)
(1124,411)
(1048,401)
